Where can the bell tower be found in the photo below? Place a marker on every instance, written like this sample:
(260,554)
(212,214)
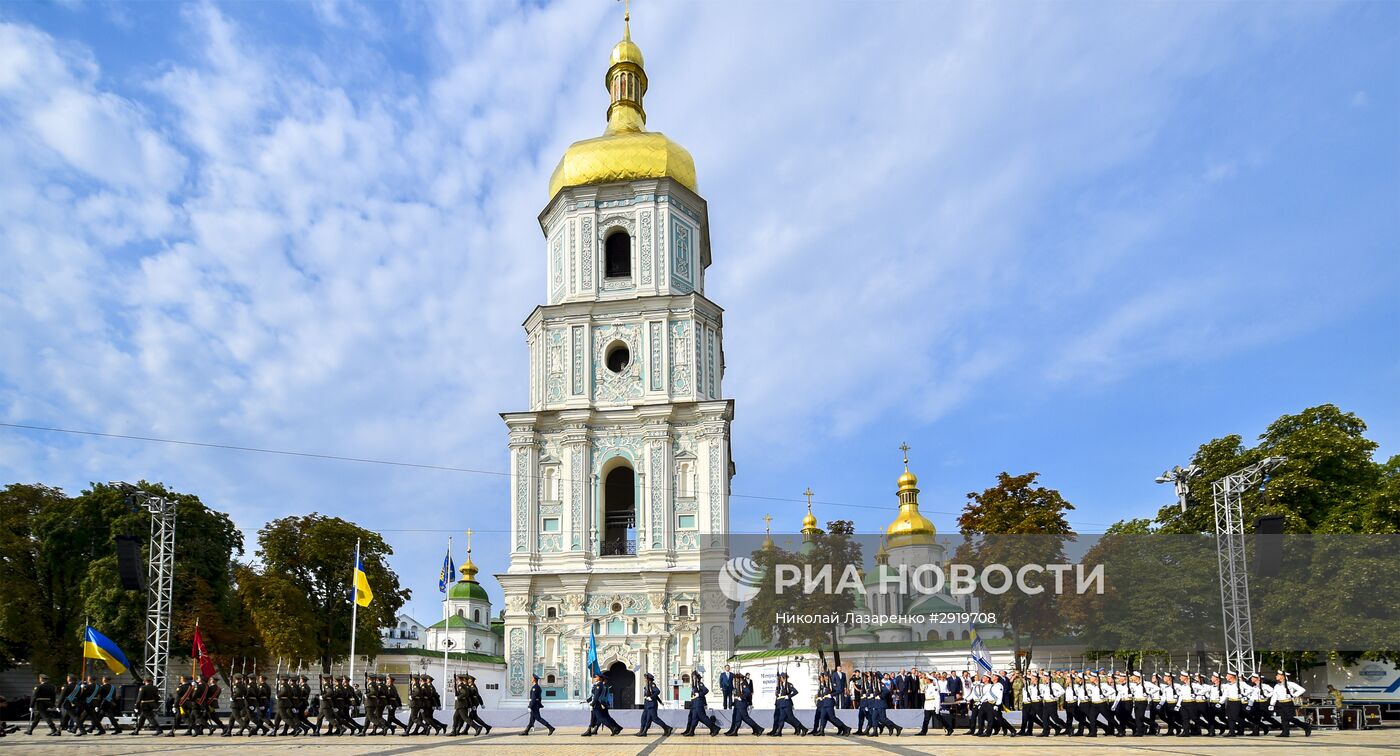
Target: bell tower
(620,469)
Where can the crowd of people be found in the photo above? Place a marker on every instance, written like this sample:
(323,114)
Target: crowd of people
(1081,703)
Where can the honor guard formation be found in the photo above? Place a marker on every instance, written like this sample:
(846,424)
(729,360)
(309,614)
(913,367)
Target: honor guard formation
(1080,703)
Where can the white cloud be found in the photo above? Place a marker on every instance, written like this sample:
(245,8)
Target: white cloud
(313,249)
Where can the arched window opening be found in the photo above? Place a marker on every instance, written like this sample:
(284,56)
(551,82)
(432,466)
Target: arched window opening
(950,635)
(462,613)
(549,679)
(619,512)
(683,480)
(965,636)
(683,611)
(619,357)
(617,251)
(476,616)
(551,613)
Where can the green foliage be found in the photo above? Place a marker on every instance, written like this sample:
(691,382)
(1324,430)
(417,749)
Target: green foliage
(58,556)
(1014,523)
(299,596)
(833,549)
(1329,483)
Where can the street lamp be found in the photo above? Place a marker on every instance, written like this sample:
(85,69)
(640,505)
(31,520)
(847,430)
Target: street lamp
(1180,477)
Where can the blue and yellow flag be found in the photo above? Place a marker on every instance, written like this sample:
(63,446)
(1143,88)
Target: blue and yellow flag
(448,570)
(98,646)
(593,652)
(363,595)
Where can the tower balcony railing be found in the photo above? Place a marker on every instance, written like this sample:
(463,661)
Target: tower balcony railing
(618,547)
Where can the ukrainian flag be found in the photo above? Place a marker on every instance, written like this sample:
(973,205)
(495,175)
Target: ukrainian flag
(363,595)
(98,646)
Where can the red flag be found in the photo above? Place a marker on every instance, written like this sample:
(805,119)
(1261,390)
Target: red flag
(201,655)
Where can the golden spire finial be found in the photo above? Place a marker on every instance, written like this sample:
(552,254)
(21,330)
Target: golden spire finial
(809,523)
(626,19)
(904,447)
(468,568)
(768,524)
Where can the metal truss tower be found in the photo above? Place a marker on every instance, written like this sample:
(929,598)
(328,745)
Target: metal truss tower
(160,582)
(1234,562)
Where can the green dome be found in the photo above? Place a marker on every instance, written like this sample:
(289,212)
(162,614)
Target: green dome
(462,590)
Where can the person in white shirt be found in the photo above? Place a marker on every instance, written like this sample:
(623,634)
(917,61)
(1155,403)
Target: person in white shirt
(1030,704)
(1169,705)
(1232,699)
(1186,705)
(1284,702)
(1051,691)
(1122,703)
(1109,708)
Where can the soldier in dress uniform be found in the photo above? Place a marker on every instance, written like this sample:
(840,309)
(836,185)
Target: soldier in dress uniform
(782,708)
(41,705)
(209,707)
(238,705)
(325,707)
(147,701)
(432,702)
(1186,705)
(392,702)
(262,696)
(67,703)
(698,714)
(1051,693)
(537,703)
(1232,699)
(743,704)
(1284,701)
(474,711)
(598,701)
(460,706)
(651,704)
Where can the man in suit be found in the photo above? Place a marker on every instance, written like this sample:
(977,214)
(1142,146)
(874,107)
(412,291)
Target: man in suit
(838,685)
(651,702)
(536,703)
(743,702)
(726,686)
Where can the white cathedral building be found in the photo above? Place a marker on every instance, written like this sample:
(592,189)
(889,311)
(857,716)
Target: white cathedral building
(620,469)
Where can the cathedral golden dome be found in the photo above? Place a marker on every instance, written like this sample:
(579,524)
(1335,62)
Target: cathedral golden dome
(910,527)
(626,150)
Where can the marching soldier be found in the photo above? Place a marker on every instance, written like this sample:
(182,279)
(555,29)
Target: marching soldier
(147,701)
(238,705)
(598,699)
(209,708)
(68,703)
(743,703)
(392,702)
(537,703)
(459,713)
(782,708)
(262,696)
(41,703)
(474,709)
(1232,700)
(651,703)
(1284,700)
(1051,691)
(325,707)
(432,702)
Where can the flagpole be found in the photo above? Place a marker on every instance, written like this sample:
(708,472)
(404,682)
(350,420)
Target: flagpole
(194,663)
(354,606)
(446,626)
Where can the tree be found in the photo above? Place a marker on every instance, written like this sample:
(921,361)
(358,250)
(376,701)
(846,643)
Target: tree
(1327,484)
(1015,523)
(46,543)
(206,545)
(832,550)
(300,597)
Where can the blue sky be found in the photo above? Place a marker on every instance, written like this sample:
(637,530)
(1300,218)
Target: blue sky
(1078,239)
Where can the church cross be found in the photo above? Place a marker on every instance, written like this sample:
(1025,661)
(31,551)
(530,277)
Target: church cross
(469,541)
(905,448)
(808,493)
(768,523)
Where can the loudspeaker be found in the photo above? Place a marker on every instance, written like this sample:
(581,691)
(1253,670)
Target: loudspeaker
(129,562)
(1268,545)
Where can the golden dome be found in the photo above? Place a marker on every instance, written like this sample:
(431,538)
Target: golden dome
(809,523)
(910,528)
(626,51)
(626,151)
(468,569)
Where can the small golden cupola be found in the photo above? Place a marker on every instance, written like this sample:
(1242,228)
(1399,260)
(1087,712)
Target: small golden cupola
(768,544)
(626,151)
(468,587)
(809,523)
(910,528)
